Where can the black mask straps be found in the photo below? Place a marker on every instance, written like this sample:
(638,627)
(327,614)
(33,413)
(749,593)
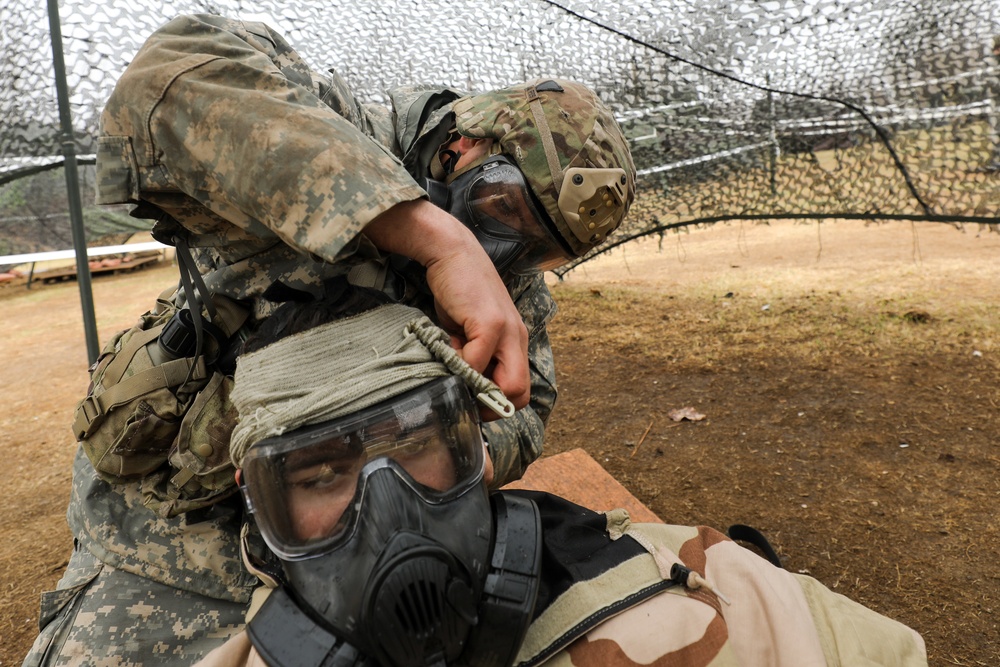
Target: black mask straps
(449,160)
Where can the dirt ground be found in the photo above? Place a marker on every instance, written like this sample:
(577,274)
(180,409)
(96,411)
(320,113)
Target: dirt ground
(849,378)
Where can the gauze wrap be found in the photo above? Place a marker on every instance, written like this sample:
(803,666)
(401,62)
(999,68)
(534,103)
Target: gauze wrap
(341,367)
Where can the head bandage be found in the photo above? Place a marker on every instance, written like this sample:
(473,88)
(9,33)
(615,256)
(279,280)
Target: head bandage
(344,366)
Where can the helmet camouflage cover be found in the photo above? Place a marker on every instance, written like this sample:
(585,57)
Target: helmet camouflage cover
(569,147)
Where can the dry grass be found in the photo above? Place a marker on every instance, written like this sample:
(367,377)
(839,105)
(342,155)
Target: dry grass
(851,387)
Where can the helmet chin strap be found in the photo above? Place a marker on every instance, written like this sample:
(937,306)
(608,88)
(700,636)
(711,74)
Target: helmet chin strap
(449,160)
(551,154)
(287,635)
(446,168)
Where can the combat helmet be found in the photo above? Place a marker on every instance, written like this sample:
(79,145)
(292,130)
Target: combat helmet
(569,147)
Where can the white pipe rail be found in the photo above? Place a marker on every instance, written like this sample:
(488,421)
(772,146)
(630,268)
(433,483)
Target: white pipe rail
(99,251)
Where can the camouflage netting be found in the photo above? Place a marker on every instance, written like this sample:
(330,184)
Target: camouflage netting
(737,109)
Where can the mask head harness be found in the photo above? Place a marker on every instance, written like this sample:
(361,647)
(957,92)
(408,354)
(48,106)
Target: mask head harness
(382,523)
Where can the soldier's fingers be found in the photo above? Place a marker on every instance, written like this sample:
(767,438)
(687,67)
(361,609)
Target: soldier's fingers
(505,359)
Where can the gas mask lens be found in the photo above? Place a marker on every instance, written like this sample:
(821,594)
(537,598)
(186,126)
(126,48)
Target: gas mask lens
(305,487)
(496,203)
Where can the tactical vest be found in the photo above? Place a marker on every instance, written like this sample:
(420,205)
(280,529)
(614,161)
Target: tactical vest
(146,407)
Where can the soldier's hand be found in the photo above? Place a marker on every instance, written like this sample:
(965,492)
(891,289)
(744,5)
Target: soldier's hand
(471,300)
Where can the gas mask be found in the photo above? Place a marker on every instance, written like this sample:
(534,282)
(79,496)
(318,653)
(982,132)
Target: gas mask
(494,200)
(388,539)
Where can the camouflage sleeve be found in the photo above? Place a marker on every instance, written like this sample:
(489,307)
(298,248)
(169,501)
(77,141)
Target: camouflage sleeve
(517,441)
(227,113)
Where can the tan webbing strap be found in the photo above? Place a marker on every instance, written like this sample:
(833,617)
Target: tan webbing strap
(178,481)
(116,369)
(551,155)
(169,374)
(86,414)
(255,568)
(369,274)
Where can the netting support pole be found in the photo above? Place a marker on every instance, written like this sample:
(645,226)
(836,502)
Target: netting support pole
(773,152)
(73,186)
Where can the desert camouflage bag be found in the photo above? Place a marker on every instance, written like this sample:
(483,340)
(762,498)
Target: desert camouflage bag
(146,408)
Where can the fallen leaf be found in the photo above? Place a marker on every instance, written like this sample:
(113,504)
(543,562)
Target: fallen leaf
(680,414)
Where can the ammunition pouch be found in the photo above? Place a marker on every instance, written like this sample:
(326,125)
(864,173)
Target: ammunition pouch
(145,408)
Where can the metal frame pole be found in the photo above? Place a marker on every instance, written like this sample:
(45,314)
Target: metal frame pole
(73,186)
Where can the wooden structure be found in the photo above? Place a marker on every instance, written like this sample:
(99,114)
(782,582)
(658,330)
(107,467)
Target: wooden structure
(117,259)
(577,477)
(126,265)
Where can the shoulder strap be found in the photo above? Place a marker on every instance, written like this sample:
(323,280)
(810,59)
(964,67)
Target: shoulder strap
(740,533)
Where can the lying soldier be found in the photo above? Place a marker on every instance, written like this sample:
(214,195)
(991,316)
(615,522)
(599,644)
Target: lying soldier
(362,465)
